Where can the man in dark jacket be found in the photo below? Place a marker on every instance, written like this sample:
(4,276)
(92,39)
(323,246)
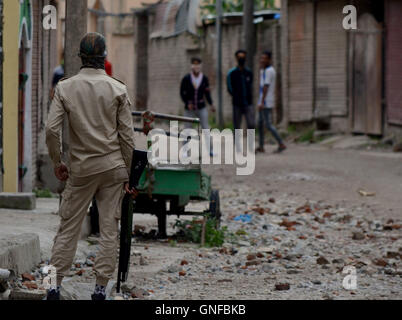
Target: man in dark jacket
(194,91)
(240,87)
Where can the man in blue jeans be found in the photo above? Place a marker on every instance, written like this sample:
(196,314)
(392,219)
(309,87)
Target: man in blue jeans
(266,101)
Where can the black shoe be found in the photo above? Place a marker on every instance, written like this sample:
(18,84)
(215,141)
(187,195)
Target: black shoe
(98,297)
(281,148)
(53,294)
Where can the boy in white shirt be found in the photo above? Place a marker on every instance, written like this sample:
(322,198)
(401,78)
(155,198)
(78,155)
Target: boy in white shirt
(266,101)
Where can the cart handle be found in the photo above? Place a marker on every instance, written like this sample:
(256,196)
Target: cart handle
(167,117)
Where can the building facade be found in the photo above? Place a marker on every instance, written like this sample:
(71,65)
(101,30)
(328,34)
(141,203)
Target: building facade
(343,80)
(29,53)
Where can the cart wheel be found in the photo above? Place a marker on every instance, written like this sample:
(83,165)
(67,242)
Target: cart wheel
(215,207)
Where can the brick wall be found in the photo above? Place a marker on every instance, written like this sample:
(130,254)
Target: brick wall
(169,61)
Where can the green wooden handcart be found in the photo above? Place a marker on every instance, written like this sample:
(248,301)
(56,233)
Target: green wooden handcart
(166,189)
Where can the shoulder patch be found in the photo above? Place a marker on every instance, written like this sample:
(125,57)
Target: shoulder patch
(117,80)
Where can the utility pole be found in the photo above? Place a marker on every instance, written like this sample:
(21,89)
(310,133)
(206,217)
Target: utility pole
(248,34)
(76,28)
(219,61)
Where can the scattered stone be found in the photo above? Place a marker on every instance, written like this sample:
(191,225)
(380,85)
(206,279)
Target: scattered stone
(322,260)
(338,261)
(183,262)
(173,269)
(80,272)
(27,277)
(90,263)
(358,236)
(397,147)
(282,286)
(4,274)
(91,255)
(267,268)
(137,293)
(393,255)
(380,262)
(30,285)
(253,263)
(143,261)
(251,257)
(182,273)
(26,294)
(224,280)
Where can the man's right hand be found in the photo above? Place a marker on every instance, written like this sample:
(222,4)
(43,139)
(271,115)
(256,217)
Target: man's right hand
(190,107)
(61,172)
(132,191)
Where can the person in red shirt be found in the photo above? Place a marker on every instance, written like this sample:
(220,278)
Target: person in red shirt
(108,67)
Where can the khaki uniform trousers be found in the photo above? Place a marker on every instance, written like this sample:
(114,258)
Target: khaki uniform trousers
(108,188)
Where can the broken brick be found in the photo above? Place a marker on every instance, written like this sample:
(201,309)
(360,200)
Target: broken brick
(251,257)
(30,285)
(28,277)
(282,286)
(321,261)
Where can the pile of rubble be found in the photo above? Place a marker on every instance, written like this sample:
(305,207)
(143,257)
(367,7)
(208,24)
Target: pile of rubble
(280,249)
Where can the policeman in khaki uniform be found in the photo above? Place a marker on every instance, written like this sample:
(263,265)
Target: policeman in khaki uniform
(101,145)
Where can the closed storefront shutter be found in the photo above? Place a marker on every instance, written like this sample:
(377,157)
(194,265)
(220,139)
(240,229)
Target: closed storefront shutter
(331,54)
(301,24)
(393,61)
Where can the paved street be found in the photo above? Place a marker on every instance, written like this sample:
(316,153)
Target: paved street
(308,221)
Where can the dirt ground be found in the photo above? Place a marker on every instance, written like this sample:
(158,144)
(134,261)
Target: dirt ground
(312,224)
(319,173)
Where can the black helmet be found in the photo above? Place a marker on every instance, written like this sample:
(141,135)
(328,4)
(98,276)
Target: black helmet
(93,45)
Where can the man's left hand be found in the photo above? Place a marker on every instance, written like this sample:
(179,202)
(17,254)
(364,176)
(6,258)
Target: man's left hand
(213,109)
(260,107)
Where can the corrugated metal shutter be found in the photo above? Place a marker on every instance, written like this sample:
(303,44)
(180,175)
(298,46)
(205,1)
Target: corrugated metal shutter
(1,89)
(331,54)
(393,85)
(300,61)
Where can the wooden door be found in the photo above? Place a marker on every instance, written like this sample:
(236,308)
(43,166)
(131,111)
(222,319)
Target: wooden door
(367,76)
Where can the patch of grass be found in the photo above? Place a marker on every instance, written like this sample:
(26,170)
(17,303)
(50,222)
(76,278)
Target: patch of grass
(43,193)
(292,129)
(213,123)
(241,232)
(191,231)
(173,243)
(307,136)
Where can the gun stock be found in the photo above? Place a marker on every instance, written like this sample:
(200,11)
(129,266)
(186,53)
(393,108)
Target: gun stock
(140,160)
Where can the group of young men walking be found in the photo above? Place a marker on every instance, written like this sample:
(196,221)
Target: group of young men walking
(195,92)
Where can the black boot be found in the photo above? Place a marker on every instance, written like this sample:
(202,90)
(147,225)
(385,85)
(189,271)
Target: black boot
(98,297)
(99,293)
(53,294)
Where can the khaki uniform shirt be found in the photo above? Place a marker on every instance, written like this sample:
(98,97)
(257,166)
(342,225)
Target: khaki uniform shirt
(101,136)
